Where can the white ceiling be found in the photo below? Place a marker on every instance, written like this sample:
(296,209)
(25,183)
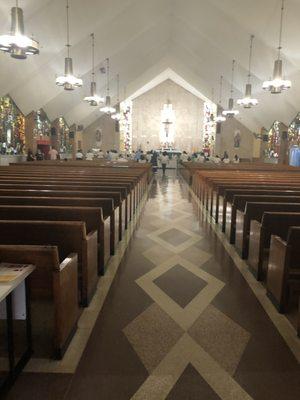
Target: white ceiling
(196,39)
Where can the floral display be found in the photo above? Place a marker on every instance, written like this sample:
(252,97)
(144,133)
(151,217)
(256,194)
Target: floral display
(274,140)
(12,127)
(209,128)
(42,124)
(63,136)
(294,131)
(126,126)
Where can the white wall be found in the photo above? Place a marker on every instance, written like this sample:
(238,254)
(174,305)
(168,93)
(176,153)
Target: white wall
(226,139)
(110,138)
(146,117)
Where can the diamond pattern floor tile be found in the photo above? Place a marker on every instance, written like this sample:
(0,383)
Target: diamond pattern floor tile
(152,335)
(180,284)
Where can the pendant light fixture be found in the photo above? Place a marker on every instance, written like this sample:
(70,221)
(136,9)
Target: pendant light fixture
(94,100)
(278,84)
(230,112)
(220,117)
(68,80)
(107,109)
(248,101)
(17,43)
(117,115)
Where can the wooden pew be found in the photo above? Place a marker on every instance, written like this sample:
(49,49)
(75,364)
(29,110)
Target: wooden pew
(69,237)
(259,178)
(54,198)
(267,183)
(255,211)
(239,204)
(283,276)
(230,196)
(123,200)
(298,330)
(92,216)
(272,223)
(53,294)
(220,203)
(76,191)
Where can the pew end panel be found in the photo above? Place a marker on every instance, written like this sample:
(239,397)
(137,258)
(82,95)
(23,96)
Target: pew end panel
(255,249)
(89,274)
(54,296)
(65,289)
(277,273)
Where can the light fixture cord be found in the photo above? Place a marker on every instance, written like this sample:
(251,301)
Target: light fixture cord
(232,76)
(221,89)
(68,28)
(17,3)
(250,57)
(280,31)
(118,88)
(93,56)
(107,75)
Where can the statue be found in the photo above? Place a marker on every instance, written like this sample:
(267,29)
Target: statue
(99,138)
(237,139)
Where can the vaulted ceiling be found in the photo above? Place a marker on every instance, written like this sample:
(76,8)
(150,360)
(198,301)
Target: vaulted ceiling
(196,39)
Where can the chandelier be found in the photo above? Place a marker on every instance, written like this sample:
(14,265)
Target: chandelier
(278,84)
(117,115)
(17,44)
(231,112)
(107,109)
(93,99)
(68,80)
(220,118)
(248,101)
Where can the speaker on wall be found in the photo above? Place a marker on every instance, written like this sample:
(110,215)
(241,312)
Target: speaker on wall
(284,135)
(218,128)
(265,138)
(53,131)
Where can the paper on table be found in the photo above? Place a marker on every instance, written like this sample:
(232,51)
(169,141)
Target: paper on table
(9,272)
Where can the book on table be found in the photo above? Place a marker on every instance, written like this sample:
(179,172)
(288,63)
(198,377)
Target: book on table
(10,271)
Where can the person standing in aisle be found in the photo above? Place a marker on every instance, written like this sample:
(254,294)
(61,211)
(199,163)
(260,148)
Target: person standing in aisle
(79,155)
(164,159)
(53,154)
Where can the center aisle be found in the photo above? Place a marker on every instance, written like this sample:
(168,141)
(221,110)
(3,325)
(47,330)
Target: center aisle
(180,322)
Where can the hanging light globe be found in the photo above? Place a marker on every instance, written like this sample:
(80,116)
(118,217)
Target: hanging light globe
(117,115)
(17,43)
(278,84)
(68,80)
(94,100)
(231,112)
(219,116)
(248,101)
(107,108)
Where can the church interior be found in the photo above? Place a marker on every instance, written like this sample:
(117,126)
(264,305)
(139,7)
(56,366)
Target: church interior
(149,208)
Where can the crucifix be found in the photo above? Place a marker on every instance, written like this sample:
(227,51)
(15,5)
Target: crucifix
(167,124)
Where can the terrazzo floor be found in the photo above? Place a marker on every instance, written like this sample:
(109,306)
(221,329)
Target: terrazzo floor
(180,321)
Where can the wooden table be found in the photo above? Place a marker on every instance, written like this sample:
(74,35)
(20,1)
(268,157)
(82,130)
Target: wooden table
(15,322)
